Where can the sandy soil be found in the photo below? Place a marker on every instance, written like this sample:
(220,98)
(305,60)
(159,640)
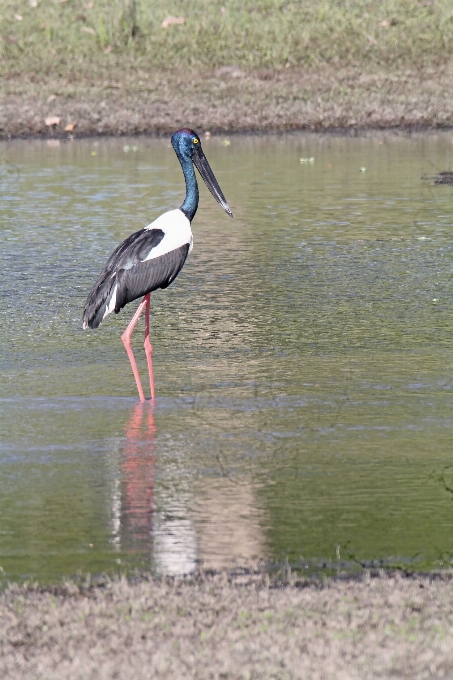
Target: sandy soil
(231,628)
(131,101)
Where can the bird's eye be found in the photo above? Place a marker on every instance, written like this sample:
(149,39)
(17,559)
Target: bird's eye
(195,141)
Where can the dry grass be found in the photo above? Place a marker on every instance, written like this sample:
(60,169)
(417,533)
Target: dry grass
(212,627)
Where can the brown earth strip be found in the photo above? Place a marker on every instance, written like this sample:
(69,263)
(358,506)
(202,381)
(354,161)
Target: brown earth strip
(244,627)
(131,101)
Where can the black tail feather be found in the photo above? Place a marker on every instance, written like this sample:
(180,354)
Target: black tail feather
(97,303)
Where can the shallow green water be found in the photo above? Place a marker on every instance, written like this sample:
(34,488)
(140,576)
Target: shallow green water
(303,360)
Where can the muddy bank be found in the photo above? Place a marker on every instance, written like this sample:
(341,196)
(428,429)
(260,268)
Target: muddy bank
(131,101)
(242,627)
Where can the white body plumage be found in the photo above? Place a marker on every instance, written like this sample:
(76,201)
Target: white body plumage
(176,228)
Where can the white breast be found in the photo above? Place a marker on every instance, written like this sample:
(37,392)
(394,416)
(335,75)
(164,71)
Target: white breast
(176,227)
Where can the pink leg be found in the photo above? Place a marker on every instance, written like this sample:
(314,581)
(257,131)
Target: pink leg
(126,338)
(148,347)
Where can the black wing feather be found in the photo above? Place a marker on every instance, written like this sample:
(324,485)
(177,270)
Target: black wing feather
(147,276)
(134,249)
(133,276)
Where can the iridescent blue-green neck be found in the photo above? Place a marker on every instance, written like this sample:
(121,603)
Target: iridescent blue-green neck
(190,205)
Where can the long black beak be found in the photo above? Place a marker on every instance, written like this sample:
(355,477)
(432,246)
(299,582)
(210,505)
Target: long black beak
(203,167)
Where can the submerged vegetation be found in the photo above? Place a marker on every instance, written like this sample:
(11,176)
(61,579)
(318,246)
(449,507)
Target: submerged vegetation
(40,36)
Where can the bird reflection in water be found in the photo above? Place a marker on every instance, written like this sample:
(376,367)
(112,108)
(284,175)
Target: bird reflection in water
(161,538)
(138,469)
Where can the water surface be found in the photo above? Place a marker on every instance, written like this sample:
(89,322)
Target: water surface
(303,360)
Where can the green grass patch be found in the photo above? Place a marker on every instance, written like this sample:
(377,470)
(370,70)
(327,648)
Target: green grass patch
(60,37)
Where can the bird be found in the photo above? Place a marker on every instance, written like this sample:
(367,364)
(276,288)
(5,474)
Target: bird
(152,257)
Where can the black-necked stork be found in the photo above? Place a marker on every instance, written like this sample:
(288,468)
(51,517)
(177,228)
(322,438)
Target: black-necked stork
(152,257)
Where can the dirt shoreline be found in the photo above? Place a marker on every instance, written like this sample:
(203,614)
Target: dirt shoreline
(131,102)
(215,626)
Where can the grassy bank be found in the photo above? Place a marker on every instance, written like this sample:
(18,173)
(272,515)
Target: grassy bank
(112,68)
(43,37)
(244,627)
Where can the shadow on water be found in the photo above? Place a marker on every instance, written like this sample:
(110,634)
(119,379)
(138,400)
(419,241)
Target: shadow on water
(303,361)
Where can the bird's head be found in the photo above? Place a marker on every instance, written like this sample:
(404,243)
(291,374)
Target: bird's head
(187,145)
(185,142)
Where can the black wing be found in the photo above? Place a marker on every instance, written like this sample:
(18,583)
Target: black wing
(145,277)
(133,249)
(128,274)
